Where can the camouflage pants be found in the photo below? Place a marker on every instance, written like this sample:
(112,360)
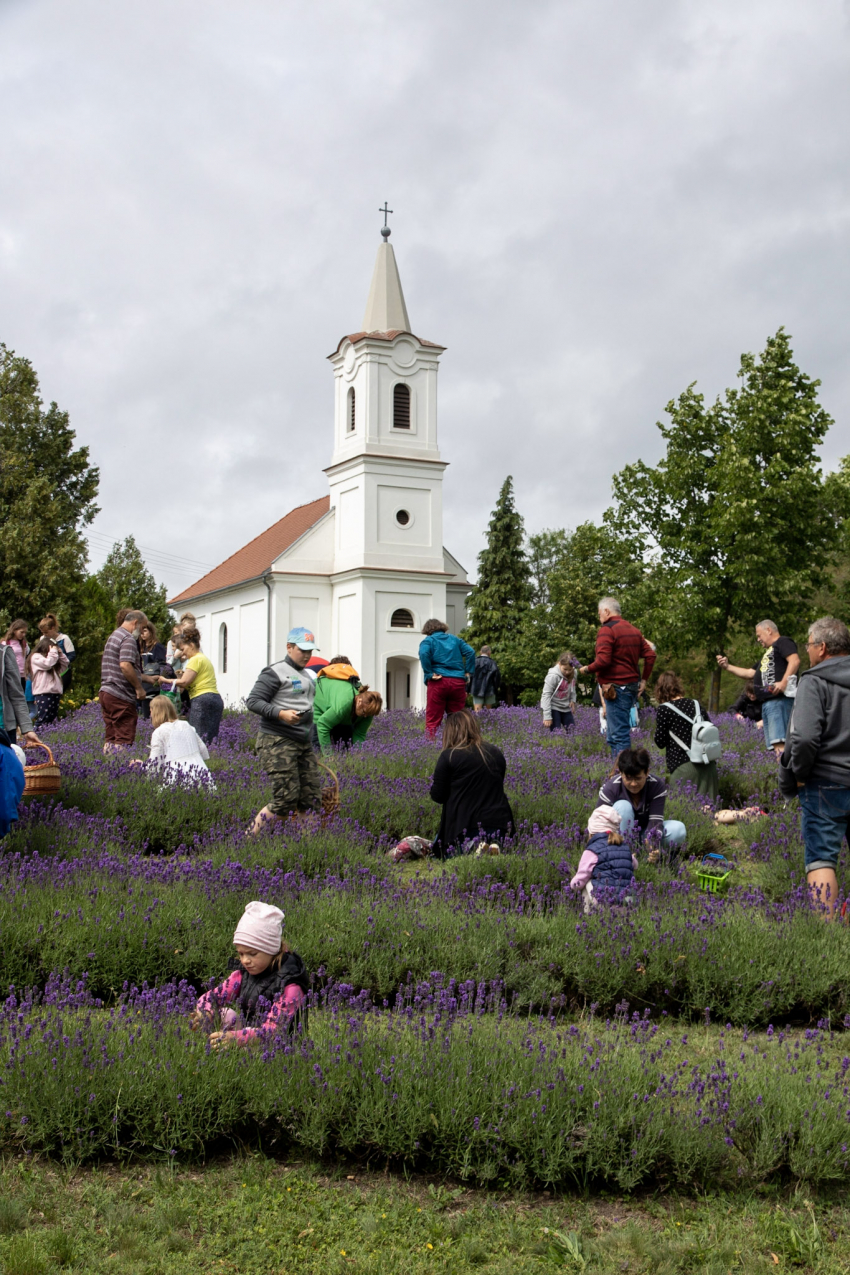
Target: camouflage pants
(291,766)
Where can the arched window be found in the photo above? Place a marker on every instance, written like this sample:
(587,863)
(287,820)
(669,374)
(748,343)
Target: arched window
(401,407)
(351,413)
(222,648)
(401,619)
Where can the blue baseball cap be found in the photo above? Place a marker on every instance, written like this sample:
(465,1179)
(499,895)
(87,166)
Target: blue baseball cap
(303,638)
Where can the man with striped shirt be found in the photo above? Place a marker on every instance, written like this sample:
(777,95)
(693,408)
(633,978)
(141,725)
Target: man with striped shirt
(639,798)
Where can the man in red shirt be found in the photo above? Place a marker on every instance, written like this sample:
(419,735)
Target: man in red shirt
(619,649)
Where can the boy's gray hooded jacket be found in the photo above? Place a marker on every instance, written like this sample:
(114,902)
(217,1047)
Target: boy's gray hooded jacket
(818,746)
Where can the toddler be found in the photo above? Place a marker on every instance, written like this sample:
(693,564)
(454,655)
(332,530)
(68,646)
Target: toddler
(268,991)
(175,743)
(605,861)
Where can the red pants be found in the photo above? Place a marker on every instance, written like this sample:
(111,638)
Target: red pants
(446,695)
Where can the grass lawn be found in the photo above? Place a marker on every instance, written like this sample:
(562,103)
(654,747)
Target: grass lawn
(251,1215)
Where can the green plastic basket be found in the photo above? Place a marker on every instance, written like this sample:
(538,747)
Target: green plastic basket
(713,884)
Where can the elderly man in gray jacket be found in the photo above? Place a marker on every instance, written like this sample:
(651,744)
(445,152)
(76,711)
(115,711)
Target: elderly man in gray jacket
(815,765)
(15,712)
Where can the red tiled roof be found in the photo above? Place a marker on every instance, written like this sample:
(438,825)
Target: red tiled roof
(256,558)
(385,336)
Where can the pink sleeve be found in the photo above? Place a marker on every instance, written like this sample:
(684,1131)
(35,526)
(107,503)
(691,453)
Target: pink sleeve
(281,1013)
(224,994)
(586,864)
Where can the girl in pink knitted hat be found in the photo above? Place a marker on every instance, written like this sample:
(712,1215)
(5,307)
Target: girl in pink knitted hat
(268,990)
(606,861)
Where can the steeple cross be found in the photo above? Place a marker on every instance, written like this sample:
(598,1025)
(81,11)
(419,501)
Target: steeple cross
(385,230)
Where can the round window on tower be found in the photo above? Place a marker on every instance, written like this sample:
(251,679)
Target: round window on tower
(403,517)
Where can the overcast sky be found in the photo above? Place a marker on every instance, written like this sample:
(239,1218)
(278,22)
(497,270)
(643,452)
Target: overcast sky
(595,204)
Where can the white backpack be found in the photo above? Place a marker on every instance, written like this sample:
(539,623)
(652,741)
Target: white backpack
(705,738)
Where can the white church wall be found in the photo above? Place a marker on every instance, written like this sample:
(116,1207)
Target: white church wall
(347,634)
(313,552)
(253,644)
(301,602)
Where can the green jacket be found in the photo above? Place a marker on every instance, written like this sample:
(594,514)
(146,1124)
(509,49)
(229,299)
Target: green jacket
(334,706)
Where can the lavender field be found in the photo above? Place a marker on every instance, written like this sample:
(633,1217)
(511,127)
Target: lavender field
(466,1017)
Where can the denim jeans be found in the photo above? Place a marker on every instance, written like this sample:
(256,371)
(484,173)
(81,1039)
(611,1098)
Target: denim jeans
(619,712)
(675,831)
(826,822)
(561,720)
(776,714)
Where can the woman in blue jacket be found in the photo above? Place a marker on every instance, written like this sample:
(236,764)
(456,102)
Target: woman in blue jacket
(447,662)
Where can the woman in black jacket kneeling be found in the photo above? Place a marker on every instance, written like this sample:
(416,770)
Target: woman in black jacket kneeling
(469,783)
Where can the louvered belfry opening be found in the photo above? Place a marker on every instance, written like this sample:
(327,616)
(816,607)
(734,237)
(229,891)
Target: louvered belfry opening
(401,407)
(401,619)
(351,417)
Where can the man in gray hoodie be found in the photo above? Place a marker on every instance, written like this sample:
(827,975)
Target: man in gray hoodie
(815,765)
(282,697)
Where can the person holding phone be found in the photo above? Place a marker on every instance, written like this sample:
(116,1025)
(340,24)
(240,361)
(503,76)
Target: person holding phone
(282,697)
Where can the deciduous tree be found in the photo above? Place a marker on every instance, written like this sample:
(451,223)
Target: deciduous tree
(736,519)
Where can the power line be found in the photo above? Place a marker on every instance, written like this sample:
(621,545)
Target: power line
(159,557)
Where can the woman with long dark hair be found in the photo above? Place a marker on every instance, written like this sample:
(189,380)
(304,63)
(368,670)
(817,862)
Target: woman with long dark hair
(469,783)
(152,653)
(674,723)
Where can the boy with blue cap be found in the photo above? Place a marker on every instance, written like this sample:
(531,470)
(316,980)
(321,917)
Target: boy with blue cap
(282,698)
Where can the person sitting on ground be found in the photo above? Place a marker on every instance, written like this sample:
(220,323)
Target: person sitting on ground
(469,783)
(673,733)
(639,799)
(266,994)
(605,860)
(198,677)
(447,661)
(486,681)
(282,697)
(45,664)
(343,709)
(558,700)
(175,743)
(746,707)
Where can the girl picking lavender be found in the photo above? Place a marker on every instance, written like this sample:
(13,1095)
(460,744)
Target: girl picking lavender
(606,861)
(268,990)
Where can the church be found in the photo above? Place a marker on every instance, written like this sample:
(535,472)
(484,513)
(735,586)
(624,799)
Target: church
(364,566)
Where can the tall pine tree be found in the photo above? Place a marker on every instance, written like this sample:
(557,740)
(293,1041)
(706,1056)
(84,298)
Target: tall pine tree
(498,606)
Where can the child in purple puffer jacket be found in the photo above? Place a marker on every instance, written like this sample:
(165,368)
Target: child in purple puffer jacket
(267,993)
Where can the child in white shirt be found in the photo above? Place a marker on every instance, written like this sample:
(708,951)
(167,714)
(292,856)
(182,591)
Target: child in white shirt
(176,744)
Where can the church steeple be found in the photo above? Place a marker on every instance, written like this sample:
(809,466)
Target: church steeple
(385,309)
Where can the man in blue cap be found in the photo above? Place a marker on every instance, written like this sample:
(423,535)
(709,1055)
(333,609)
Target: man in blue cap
(282,698)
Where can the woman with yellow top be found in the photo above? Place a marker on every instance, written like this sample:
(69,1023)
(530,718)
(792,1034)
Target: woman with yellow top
(198,677)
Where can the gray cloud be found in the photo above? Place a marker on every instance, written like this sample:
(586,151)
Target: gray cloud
(596,203)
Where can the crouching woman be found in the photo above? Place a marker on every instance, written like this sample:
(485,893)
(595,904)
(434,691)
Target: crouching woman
(469,783)
(266,994)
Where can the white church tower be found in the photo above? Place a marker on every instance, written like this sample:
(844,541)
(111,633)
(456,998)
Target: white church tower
(364,568)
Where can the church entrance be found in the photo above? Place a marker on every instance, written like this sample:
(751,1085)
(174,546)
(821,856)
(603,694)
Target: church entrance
(398,685)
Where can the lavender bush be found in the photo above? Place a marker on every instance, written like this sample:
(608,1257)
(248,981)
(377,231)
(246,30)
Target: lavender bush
(442,995)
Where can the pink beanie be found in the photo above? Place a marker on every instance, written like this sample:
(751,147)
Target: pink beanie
(604,819)
(261,927)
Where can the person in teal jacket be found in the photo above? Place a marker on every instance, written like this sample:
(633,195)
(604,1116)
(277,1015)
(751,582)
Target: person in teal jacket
(343,709)
(447,663)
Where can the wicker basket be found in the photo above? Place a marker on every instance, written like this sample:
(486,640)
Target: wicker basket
(330,793)
(42,779)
